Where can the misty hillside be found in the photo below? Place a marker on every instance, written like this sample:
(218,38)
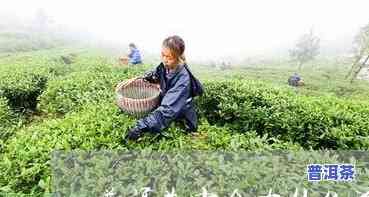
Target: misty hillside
(278,77)
(63,98)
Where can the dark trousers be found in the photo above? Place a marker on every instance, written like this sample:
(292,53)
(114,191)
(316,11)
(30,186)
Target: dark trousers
(188,117)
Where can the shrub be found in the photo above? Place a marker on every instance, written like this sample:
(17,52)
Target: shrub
(313,122)
(25,164)
(25,161)
(22,89)
(6,120)
(5,113)
(72,91)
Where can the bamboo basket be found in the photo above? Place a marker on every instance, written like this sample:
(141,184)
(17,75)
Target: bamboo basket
(137,97)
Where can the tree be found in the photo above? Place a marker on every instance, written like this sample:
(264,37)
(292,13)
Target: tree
(306,49)
(361,52)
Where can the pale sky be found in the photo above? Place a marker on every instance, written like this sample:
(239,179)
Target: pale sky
(210,28)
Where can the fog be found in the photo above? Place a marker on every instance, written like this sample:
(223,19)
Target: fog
(211,29)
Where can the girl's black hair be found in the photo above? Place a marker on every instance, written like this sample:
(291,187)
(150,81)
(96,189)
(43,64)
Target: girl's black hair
(177,45)
(132,45)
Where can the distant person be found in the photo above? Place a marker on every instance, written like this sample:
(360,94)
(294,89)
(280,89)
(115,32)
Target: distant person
(295,80)
(134,55)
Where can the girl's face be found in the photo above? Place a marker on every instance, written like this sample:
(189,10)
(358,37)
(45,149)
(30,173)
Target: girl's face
(168,57)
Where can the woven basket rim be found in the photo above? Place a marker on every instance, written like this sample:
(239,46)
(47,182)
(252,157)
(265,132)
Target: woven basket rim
(137,100)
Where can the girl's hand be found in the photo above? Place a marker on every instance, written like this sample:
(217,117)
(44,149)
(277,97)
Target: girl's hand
(150,77)
(134,134)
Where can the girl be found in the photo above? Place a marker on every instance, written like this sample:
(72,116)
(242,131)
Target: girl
(178,87)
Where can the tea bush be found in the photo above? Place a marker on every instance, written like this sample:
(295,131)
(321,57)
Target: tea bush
(25,163)
(24,77)
(5,113)
(313,122)
(70,92)
(7,120)
(236,114)
(22,88)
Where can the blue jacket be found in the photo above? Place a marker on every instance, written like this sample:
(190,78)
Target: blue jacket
(294,79)
(135,57)
(176,100)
